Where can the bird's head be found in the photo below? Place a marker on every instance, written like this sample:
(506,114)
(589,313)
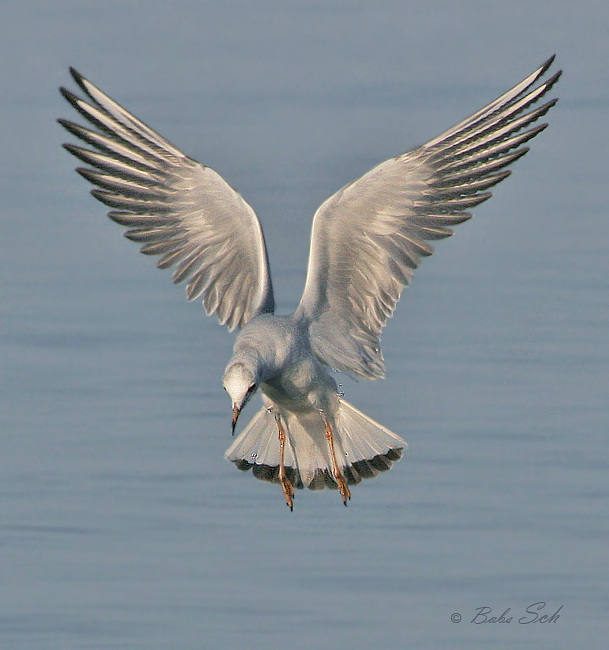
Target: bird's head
(240,381)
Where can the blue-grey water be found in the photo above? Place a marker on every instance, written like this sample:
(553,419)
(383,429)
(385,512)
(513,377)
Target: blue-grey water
(121,526)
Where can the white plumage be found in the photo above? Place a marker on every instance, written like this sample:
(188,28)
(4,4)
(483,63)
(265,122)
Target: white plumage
(363,447)
(366,241)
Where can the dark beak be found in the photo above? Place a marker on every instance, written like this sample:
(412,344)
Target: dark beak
(236,411)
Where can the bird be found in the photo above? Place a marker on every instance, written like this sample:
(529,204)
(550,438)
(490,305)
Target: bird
(366,241)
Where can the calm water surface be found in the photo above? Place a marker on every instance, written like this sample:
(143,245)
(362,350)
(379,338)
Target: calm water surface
(120,524)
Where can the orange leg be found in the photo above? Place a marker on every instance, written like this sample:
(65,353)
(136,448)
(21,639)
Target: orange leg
(338,476)
(287,487)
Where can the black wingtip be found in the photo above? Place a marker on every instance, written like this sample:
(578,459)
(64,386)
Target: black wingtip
(85,173)
(69,96)
(541,71)
(70,127)
(80,80)
(76,76)
(71,148)
(553,79)
(547,64)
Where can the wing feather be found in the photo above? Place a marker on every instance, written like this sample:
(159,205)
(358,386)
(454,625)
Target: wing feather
(368,238)
(175,207)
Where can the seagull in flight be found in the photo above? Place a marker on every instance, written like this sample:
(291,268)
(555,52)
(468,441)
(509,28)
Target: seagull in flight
(366,241)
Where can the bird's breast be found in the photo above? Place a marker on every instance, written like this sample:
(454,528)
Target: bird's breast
(301,386)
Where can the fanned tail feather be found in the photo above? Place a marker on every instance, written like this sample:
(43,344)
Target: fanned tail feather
(363,448)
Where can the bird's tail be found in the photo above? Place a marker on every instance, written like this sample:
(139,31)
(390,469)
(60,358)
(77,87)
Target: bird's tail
(363,448)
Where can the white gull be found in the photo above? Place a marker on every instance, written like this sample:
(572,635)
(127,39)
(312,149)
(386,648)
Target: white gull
(366,241)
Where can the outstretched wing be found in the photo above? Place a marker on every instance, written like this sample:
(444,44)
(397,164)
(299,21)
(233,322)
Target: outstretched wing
(369,237)
(176,207)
